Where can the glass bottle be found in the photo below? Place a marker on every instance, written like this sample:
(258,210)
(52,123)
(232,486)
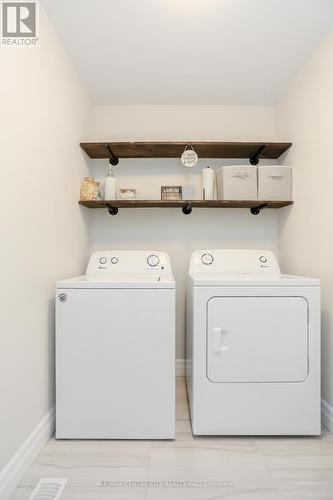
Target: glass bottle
(110,185)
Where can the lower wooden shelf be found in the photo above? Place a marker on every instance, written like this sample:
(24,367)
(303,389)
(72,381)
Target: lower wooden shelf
(184,203)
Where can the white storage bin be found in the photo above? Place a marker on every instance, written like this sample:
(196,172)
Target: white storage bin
(236,182)
(274,182)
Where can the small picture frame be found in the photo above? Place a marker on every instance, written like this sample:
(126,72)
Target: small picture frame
(171,193)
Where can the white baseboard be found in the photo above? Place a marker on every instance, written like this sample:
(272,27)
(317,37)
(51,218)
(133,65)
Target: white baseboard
(13,472)
(180,367)
(327,415)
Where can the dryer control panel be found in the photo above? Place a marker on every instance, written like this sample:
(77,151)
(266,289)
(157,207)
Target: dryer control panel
(234,262)
(129,261)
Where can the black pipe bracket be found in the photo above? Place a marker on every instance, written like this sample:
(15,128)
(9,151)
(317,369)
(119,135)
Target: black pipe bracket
(256,210)
(187,209)
(112,210)
(113,159)
(254,160)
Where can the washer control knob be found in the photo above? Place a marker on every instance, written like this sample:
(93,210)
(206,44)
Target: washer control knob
(114,260)
(263,259)
(153,260)
(102,260)
(207,259)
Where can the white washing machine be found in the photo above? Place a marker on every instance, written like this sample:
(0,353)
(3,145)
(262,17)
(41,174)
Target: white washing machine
(253,346)
(115,349)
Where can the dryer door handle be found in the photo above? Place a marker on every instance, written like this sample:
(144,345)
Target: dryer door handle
(217,339)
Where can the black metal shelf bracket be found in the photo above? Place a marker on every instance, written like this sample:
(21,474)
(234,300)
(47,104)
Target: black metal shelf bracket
(113,159)
(187,209)
(256,210)
(254,160)
(112,210)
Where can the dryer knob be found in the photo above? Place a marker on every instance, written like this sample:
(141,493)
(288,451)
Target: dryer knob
(207,259)
(102,260)
(153,260)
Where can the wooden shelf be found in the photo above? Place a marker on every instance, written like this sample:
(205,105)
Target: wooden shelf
(183,203)
(270,151)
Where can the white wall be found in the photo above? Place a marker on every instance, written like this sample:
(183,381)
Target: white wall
(304,116)
(44,236)
(170,230)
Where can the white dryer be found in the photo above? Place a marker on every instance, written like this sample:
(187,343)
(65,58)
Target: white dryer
(253,346)
(115,349)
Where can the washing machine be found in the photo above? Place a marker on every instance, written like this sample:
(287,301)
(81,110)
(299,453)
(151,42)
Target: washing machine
(115,349)
(253,346)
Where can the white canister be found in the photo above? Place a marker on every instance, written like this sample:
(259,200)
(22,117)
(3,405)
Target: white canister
(208,183)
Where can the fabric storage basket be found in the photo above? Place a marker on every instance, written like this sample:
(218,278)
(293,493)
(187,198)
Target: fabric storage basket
(237,182)
(274,182)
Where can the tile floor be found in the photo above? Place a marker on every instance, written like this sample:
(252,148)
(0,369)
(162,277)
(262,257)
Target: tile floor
(243,468)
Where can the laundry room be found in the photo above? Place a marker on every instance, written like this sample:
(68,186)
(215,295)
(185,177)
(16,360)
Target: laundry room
(166,314)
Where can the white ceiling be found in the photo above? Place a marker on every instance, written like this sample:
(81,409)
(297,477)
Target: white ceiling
(188,51)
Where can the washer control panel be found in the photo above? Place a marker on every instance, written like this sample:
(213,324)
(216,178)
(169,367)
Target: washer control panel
(234,262)
(128,261)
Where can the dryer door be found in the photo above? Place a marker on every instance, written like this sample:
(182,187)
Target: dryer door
(257,339)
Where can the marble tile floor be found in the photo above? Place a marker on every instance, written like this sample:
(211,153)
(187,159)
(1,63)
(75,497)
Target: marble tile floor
(189,468)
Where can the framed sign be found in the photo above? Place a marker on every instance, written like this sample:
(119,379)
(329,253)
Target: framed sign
(171,193)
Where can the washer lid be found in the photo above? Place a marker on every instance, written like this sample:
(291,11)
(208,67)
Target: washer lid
(119,280)
(216,279)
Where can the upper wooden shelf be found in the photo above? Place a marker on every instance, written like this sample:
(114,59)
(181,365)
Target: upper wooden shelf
(266,150)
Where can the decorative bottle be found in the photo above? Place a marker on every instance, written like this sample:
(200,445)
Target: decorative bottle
(110,185)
